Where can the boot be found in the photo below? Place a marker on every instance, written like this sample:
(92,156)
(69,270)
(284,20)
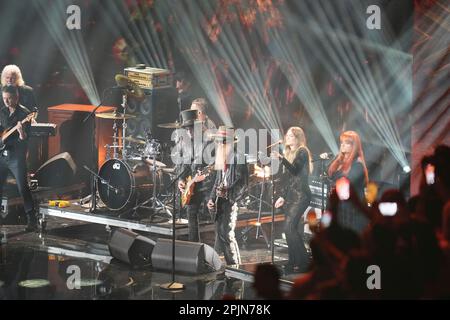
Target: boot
(31,222)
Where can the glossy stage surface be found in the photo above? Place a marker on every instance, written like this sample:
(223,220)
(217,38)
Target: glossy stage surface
(72,261)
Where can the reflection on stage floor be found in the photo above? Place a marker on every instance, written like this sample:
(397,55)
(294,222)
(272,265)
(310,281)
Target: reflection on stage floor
(46,266)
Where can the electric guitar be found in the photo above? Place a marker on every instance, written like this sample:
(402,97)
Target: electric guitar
(221,193)
(7,133)
(188,193)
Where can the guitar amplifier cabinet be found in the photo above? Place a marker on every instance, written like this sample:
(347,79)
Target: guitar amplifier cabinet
(75,136)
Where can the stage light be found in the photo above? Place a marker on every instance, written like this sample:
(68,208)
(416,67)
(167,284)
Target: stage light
(233,55)
(334,41)
(185,26)
(139,29)
(71,44)
(406,169)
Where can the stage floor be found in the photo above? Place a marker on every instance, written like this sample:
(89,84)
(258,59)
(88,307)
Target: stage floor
(40,266)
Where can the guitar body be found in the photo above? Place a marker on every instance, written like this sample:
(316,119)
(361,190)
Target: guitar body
(7,133)
(2,143)
(188,193)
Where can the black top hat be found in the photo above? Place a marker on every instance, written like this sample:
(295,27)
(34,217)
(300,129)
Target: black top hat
(188,118)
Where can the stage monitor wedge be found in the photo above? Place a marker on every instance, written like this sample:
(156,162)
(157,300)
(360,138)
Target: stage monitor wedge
(190,257)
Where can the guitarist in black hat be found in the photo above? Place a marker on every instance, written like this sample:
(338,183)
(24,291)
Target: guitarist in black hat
(194,183)
(14,125)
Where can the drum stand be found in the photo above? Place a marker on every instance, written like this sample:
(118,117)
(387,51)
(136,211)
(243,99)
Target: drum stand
(124,126)
(156,203)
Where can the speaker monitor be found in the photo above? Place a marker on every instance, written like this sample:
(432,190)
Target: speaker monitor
(190,257)
(57,171)
(130,247)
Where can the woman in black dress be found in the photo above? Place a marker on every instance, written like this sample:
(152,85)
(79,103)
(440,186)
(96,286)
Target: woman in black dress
(294,195)
(350,163)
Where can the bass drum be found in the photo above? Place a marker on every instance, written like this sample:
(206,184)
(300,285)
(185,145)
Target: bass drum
(125,184)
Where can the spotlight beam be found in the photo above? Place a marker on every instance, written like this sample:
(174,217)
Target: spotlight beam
(71,44)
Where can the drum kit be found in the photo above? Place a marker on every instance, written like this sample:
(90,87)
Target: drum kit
(132,177)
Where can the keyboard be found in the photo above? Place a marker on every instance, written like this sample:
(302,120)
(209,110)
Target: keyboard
(43,129)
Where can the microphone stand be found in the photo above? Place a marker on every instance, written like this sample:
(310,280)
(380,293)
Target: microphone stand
(174,286)
(323,177)
(272,227)
(93,206)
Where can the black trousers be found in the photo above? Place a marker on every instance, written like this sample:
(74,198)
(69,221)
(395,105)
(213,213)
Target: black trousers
(294,231)
(18,167)
(225,237)
(193,211)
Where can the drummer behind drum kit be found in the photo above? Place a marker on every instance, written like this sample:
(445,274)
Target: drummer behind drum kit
(132,177)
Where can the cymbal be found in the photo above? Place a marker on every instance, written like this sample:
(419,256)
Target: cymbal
(110,146)
(170,125)
(114,115)
(130,87)
(169,170)
(135,140)
(157,163)
(131,139)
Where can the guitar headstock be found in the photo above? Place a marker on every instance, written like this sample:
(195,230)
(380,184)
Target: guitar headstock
(209,168)
(30,116)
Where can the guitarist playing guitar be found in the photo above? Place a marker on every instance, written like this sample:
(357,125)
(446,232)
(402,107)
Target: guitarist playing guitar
(15,125)
(229,187)
(194,183)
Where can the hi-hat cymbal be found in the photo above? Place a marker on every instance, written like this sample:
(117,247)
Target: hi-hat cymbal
(110,146)
(158,163)
(170,125)
(114,115)
(135,140)
(131,139)
(170,171)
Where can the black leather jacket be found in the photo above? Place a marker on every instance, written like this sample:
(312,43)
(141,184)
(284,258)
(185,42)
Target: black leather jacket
(238,180)
(293,182)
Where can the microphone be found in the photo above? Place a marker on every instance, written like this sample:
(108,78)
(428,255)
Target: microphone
(274,144)
(326,155)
